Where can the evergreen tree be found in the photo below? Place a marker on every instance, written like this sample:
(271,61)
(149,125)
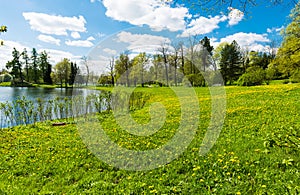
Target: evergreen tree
(34,64)
(16,66)
(73,73)
(230,63)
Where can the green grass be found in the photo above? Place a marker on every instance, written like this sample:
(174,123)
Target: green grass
(5,84)
(257,151)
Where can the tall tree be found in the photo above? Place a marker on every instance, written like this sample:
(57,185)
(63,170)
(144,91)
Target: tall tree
(230,63)
(73,73)
(45,67)
(207,52)
(26,63)
(16,66)
(62,72)
(123,65)
(85,62)
(34,64)
(140,62)
(111,69)
(288,56)
(164,49)
(174,60)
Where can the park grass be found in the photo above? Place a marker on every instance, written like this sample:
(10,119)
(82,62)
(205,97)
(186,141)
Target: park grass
(257,151)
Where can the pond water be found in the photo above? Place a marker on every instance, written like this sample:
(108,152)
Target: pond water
(12,93)
(39,104)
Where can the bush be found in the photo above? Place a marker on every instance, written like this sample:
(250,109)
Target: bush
(253,76)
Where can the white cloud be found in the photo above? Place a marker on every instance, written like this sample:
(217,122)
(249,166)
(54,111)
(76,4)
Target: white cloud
(274,29)
(203,25)
(49,39)
(91,38)
(235,16)
(92,1)
(79,43)
(252,41)
(110,51)
(100,35)
(58,55)
(56,25)
(75,35)
(142,42)
(153,13)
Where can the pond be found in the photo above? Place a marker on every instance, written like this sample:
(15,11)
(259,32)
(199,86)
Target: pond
(12,93)
(29,105)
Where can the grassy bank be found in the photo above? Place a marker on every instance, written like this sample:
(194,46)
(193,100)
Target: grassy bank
(257,151)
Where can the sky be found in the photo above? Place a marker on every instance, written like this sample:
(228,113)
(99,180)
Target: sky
(103,28)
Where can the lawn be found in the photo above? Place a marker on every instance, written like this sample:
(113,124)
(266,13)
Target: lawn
(257,151)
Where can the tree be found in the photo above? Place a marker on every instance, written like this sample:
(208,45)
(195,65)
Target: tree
(123,65)
(111,68)
(174,60)
(230,63)
(164,52)
(85,62)
(73,73)
(207,52)
(62,72)
(26,63)
(45,67)
(288,56)
(16,66)
(34,64)
(140,62)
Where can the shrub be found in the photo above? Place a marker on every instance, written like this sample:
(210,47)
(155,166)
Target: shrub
(253,76)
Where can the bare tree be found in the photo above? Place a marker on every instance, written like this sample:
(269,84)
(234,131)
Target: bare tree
(111,69)
(164,49)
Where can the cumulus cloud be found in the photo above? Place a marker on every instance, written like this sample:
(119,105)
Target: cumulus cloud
(235,16)
(252,41)
(75,35)
(147,12)
(142,42)
(56,25)
(49,39)
(91,38)
(274,29)
(58,55)
(110,51)
(80,43)
(203,25)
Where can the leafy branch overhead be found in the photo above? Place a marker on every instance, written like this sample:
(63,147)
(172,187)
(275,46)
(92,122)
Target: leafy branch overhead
(218,5)
(3,29)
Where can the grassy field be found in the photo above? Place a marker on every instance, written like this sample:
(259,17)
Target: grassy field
(257,151)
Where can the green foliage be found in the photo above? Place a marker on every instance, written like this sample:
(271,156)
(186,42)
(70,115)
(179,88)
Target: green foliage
(253,76)
(288,56)
(295,78)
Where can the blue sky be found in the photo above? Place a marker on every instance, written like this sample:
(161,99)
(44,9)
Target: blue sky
(75,28)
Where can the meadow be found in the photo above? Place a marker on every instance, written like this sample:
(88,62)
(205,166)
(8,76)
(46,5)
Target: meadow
(257,151)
